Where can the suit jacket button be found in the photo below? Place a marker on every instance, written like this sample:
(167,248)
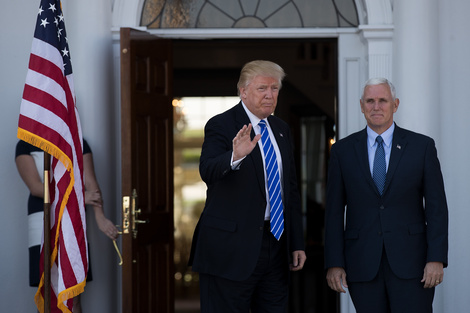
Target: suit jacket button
(261,228)
(380,233)
(382,207)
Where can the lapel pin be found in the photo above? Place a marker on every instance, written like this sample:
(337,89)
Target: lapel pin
(280,134)
(398,146)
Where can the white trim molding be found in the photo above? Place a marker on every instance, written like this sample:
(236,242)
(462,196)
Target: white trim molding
(378,39)
(127,13)
(378,12)
(377,34)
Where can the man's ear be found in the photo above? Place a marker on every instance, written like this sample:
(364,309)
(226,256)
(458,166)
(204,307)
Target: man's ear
(397,103)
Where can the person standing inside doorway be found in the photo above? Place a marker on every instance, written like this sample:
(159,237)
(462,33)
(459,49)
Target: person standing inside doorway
(250,232)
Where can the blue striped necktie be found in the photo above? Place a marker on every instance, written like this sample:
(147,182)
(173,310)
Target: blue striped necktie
(379,170)
(274,183)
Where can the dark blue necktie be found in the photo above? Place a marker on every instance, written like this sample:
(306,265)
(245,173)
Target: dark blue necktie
(274,183)
(379,171)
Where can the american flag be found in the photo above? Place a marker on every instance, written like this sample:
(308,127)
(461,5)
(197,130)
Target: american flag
(49,120)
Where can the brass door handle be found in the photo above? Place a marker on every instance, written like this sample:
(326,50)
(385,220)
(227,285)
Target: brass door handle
(130,214)
(118,252)
(117,248)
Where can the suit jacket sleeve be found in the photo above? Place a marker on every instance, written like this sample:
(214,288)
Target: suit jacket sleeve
(216,152)
(436,211)
(334,215)
(297,240)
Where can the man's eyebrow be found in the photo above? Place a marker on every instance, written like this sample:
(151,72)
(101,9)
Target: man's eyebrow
(372,98)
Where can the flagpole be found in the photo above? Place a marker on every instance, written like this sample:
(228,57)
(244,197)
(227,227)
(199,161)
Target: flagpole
(47,235)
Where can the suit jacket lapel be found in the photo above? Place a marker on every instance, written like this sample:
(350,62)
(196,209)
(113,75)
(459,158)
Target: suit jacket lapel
(280,138)
(398,148)
(284,147)
(363,157)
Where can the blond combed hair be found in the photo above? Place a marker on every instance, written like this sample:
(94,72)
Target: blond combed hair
(259,68)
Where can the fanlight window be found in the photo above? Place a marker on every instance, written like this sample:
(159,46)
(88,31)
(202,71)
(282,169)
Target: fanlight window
(249,13)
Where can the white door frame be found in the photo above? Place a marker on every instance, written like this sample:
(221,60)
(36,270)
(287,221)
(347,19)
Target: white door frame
(363,52)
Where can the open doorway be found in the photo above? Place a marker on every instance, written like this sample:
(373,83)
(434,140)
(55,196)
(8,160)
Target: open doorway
(206,69)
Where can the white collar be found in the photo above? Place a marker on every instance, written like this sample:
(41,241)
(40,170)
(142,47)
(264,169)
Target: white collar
(387,136)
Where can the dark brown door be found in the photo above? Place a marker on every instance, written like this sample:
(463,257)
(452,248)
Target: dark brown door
(147,173)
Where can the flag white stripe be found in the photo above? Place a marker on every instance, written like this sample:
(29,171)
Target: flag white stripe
(55,282)
(47,51)
(44,83)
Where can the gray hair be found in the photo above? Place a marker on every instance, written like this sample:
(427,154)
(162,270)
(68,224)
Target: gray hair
(379,81)
(259,67)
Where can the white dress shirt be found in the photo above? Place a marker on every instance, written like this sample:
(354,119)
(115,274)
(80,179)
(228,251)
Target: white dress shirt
(387,137)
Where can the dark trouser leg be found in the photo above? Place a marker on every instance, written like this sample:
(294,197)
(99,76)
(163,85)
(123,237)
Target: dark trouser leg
(272,290)
(265,291)
(387,293)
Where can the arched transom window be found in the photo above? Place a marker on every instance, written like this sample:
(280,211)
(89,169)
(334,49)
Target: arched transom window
(248,13)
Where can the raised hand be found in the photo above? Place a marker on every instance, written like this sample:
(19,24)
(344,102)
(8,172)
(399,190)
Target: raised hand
(242,143)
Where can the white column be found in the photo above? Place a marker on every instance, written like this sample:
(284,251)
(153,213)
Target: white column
(378,39)
(453,148)
(416,65)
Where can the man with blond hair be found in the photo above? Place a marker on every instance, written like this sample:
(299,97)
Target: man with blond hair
(250,232)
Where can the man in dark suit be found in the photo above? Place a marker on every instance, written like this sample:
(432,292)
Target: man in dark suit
(241,248)
(391,250)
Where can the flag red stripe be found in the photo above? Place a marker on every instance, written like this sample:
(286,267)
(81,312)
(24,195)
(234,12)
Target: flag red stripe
(72,122)
(45,100)
(69,277)
(46,68)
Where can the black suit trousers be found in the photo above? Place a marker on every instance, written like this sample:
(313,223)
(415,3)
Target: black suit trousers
(387,293)
(265,291)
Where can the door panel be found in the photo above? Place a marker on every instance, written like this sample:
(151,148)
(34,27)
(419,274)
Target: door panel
(147,172)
